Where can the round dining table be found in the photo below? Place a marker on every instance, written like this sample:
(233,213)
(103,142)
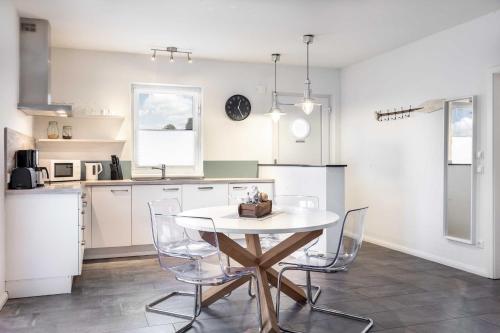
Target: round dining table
(304,225)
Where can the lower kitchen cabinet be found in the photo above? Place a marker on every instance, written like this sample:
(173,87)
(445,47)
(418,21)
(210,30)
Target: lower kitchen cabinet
(204,195)
(111,216)
(43,242)
(141,221)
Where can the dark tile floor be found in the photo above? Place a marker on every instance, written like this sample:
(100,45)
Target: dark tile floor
(403,294)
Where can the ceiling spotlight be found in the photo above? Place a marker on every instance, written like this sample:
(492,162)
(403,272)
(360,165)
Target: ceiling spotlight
(172,50)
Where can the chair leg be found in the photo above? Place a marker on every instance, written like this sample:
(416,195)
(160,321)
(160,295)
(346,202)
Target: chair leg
(333,312)
(196,311)
(312,300)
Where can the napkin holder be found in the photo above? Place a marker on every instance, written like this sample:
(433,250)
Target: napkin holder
(255,210)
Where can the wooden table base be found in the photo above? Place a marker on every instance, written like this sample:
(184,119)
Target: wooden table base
(252,256)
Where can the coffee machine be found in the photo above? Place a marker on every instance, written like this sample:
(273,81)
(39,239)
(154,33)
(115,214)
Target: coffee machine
(29,159)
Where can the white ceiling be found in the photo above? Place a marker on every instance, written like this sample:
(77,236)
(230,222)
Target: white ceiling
(347,31)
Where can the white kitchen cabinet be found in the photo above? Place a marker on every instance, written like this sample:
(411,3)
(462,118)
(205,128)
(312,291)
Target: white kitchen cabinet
(42,242)
(141,221)
(111,216)
(240,190)
(204,195)
(87,217)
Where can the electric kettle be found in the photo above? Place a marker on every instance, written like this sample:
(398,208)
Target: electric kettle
(92,171)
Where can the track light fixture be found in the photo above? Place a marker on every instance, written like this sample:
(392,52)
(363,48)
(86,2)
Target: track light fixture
(172,50)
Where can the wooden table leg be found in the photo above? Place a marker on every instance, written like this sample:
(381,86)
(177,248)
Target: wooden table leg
(269,322)
(214,293)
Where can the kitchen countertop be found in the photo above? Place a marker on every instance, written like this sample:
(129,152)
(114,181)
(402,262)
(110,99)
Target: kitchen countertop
(54,188)
(174,181)
(79,186)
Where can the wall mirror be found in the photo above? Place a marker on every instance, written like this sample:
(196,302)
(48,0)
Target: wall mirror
(459,180)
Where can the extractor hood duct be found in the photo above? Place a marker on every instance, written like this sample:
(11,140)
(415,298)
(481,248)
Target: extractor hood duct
(34,75)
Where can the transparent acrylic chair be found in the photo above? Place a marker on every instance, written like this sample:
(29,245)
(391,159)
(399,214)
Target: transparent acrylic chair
(351,238)
(193,260)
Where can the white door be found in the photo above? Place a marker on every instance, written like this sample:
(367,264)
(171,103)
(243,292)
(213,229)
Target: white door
(111,216)
(204,195)
(141,221)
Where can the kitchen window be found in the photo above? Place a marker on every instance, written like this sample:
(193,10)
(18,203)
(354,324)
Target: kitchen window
(167,129)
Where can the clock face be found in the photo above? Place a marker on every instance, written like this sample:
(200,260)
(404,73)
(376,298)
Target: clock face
(238,107)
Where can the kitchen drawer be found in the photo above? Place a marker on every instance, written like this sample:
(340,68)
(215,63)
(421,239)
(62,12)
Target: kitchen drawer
(111,216)
(240,190)
(141,220)
(204,195)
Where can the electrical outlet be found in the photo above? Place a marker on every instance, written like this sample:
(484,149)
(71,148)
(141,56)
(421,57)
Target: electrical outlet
(479,169)
(480,244)
(480,155)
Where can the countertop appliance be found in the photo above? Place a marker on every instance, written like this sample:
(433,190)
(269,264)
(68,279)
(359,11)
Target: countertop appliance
(29,159)
(92,171)
(22,179)
(62,170)
(34,70)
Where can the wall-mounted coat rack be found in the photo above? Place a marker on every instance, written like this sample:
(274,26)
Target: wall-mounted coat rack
(426,107)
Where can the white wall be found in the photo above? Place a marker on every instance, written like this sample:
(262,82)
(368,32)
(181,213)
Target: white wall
(9,116)
(94,78)
(397,167)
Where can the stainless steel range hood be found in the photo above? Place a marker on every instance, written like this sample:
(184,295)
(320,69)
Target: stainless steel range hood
(34,75)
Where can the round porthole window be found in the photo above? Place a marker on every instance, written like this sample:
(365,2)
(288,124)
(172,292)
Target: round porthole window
(300,128)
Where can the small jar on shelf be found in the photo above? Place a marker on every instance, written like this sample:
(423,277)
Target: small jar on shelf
(53,130)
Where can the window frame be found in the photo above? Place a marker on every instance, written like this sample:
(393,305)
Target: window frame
(148,171)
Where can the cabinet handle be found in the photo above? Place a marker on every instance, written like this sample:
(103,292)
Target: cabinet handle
(82,242)
(83,227)
(83,212)
(205,188)
(84,204)
(240,187)
(173,189)
(119,191)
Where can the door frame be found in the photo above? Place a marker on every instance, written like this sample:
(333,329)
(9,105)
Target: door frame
(494,105)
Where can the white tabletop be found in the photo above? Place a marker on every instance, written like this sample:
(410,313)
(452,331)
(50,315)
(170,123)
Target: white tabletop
(282,220)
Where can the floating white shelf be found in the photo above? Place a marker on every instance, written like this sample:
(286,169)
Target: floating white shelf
(103,117)
(69,141)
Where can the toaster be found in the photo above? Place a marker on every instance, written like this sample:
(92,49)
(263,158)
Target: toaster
(22,179)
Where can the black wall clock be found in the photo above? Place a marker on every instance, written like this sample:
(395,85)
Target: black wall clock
(238,107)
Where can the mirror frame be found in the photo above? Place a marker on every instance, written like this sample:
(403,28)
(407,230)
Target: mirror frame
(472,239)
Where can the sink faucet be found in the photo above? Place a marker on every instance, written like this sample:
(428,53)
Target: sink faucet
(163,169)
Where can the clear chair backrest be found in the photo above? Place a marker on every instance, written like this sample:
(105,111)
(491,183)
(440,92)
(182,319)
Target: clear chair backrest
(173,237)
(297,201)
(351,237)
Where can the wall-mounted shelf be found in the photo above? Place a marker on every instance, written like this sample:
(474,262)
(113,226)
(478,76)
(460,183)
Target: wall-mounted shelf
(69,141)
(100,117)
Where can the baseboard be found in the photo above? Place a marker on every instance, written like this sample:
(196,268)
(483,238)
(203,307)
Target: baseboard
(3,298)
(428,256)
